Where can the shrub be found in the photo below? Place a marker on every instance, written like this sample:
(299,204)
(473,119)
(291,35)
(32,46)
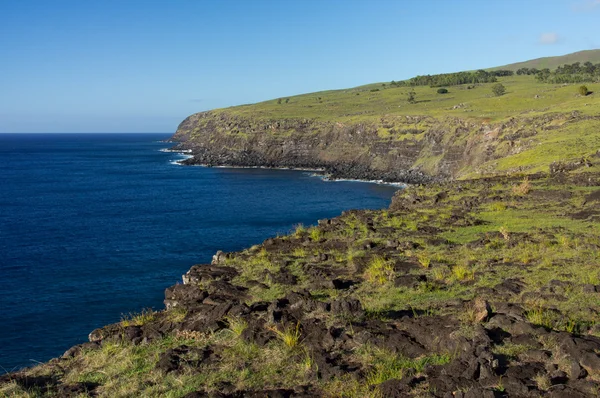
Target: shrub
(442,91)
(498,89)
(583,90)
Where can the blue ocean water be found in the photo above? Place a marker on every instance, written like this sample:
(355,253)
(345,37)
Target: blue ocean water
(93,226)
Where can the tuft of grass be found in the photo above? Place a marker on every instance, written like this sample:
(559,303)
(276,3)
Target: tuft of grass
(299,252)
(386,366)
(498,206)
(511,350)
(379,271)
(424,260)
(299,231)
(290,335)
(541,317)
(138,319)
(176,314)
(463,273)
(353,254)
(307,362)
(439,273)
(395,222)
(237,325)
(542,381)
(504,232)
(316,234)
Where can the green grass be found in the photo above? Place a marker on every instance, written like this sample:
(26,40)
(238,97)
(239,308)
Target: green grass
(132,319)
(345,106)
(379,271)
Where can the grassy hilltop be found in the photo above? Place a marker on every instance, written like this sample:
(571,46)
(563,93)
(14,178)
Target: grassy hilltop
(474,287)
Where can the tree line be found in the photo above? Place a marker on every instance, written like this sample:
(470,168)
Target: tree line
(569,73)
(454,79)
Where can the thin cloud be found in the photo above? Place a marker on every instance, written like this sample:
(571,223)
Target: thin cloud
(586,5)
(196,100)
(548,38)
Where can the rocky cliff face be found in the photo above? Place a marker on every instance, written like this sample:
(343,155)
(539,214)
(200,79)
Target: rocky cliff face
(409,149)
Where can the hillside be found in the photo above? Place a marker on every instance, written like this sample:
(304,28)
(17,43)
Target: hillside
(592,56)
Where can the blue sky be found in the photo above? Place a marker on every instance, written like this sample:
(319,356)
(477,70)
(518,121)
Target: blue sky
(143,66)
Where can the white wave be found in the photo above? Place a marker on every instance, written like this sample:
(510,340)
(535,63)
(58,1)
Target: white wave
(318,173)
(380,182)
(175,150)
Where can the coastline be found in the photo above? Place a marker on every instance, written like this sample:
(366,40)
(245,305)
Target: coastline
(334,172)
(315,172)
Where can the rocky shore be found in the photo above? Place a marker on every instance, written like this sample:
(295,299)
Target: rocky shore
(333,170)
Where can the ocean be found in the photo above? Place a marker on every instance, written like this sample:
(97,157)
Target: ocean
(95,226)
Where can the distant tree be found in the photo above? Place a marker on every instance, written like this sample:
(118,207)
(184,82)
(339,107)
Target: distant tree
(523,71)
(279,101)
(502,72)
(583,90)
(442,91)
(287,100)
(411,97)
(498,89)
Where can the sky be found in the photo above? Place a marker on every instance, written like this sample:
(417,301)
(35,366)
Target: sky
(143,66)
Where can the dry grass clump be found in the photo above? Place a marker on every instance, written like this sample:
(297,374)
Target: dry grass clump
(523,188)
